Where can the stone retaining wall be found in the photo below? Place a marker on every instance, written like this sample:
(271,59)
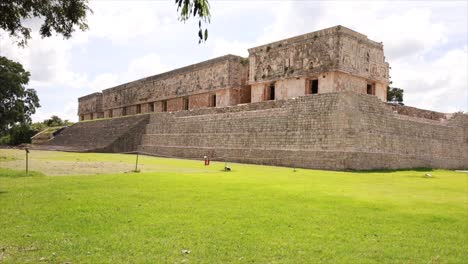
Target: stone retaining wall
(338,131)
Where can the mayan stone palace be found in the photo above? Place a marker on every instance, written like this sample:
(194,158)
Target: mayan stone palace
(314,101)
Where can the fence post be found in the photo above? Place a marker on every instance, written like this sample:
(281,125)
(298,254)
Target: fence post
(27,161)
(136,163)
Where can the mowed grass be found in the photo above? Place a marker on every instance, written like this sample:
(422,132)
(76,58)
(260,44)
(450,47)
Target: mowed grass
(179,211)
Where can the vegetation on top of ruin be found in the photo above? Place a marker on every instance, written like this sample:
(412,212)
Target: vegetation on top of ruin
(395,95)
(182,211)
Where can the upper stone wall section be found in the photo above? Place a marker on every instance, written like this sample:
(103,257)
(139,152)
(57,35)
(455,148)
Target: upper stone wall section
(332,49)
(362,57)
(91,103)
(219,73)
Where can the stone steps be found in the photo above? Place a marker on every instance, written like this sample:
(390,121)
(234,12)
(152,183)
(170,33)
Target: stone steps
(108,135)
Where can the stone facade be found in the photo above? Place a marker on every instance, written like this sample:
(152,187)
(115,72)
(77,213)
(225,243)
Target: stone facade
(337,58)
(329,60)
(337,131)
(90,106)
(312,101)
(215,83)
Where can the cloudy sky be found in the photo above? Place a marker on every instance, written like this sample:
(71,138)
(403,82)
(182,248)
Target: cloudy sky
(425,43)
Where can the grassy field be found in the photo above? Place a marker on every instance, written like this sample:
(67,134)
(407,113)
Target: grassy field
(179,211)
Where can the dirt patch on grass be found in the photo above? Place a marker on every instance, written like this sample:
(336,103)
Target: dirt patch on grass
(52,163)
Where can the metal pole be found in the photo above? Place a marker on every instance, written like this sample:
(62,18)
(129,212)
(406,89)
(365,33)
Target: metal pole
(27,152)
(136,163)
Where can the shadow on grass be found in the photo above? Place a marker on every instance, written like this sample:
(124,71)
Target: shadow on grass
(391,171)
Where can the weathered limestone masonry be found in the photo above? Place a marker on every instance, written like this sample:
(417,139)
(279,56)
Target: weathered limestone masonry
(90,106)
(313,101)
(214,83)
(337,131)
(329,60)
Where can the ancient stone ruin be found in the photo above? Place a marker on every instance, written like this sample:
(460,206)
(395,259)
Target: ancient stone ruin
(313,101)
(330,60)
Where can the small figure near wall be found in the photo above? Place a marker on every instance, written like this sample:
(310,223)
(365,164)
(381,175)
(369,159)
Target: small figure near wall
(207,160)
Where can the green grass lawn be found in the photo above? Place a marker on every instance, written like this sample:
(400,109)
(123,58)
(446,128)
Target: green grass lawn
(253,214)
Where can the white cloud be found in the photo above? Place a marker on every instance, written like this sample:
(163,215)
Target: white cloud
(104,81)
(69,112)
(123,21)
(149,64)
(440,84)
(47,59)
(222,47)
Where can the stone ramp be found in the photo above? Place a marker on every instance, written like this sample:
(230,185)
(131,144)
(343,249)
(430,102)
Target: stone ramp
(122,134)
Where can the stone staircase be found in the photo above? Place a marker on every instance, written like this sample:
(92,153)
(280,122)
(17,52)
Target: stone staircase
(122,134)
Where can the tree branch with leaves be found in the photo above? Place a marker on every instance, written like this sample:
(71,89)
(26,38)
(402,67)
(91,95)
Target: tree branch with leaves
(195,8)
(60,16)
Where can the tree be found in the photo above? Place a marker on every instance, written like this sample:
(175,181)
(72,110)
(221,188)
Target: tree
(55,121)
(395,95)
(60,16)
(65,16)
(195,8)
(17,103)
(20,134)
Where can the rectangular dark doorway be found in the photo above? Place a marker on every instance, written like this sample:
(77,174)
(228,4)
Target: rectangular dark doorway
(314,87)
(138,110)
(186,103)
(369,89)
(213,100)
(151,107)
(164,105)
(271,92)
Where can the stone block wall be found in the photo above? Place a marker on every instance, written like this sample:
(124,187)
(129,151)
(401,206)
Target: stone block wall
(349,59)
(90,107)
(338,131)
(195,82)
(339,58)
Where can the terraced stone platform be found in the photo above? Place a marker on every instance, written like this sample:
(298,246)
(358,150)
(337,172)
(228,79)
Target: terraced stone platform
(337,131)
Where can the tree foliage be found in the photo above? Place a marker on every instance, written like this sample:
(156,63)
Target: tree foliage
(60,16)
(21,133)
(17,103)
(195,8)
(55,121)
(395,95)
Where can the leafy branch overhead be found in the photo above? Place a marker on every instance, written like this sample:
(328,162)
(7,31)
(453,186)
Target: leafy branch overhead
(195,8)
(60,16)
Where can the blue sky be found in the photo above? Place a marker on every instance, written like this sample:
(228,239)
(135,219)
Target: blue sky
(425,43)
